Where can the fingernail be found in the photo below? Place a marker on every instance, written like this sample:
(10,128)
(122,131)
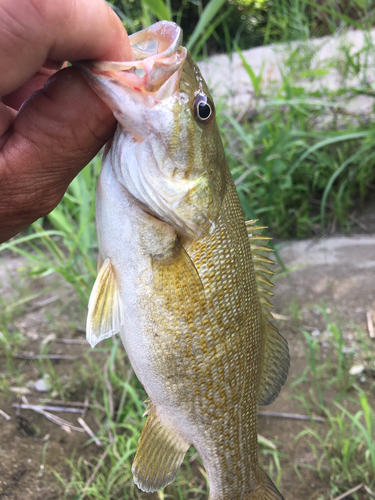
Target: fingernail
(50,64)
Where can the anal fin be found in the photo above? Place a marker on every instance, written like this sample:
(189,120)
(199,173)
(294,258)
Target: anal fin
(265,490)
(105,315)
(160,453)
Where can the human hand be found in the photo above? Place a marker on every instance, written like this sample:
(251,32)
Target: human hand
(63,123)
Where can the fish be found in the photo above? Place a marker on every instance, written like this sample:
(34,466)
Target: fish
(183,278)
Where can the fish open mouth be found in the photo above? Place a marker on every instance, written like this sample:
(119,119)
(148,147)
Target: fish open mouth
(157,56)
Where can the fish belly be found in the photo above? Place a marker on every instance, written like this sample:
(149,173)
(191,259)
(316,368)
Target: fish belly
(131,238)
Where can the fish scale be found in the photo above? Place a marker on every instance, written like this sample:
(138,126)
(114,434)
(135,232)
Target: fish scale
(240,350)
(183,278)
(215,388)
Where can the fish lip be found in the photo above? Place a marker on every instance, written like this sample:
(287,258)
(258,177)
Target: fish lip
(171,40)
(157,67)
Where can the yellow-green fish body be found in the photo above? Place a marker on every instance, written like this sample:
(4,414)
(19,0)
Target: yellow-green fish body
(177,276)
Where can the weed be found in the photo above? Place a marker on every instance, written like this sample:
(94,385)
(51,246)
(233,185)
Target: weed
(346,454)
(271,459)
(344,447)
(327,367)
(10,341)
(295,312)
(302,159)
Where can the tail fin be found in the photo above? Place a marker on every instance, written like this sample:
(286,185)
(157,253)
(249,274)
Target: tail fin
(266,490)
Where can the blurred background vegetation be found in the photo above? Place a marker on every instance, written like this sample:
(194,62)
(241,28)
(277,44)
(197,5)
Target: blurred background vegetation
(301,154)
(247,23)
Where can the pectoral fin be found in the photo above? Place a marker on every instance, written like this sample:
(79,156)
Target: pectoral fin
(177,280)
(105,315)
(160,453)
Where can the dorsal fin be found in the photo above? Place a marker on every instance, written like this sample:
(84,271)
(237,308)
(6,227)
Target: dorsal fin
(262,264)
(276,360)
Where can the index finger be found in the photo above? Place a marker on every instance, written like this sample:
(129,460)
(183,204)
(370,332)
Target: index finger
(32,31)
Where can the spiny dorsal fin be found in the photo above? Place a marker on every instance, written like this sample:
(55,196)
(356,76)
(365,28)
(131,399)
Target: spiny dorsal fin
(160,453)
(105,315)
(275,351)
(262,264)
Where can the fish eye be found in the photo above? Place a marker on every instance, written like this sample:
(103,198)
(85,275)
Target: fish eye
(204,110)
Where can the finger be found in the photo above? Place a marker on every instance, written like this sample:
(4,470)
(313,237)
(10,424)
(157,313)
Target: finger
(36,82)
(7,117)
(15,99)
(55,134)
(46,29)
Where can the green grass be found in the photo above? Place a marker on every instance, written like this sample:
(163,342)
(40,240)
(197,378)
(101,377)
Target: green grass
(345,451)
(10,342)
(302,161)
(327,370)
(270,461)
(345,455)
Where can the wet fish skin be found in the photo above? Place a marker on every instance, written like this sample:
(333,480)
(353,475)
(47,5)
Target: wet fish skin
(178,278)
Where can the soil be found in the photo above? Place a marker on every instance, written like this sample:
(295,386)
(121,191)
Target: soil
(31,446)
(338,270)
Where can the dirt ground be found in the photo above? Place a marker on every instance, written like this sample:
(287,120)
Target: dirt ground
(31,446)
(338,270)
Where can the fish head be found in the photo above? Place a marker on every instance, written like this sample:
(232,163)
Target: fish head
(167,151)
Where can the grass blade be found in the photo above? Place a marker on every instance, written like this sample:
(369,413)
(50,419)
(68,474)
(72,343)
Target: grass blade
(208,14)
(159,9)
(327,142)
(255,80)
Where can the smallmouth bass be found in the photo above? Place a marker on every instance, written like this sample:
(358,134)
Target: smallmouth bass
(182,277)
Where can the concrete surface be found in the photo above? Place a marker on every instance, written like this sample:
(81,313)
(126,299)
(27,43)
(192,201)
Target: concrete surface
(340,270)
(228,79)
(356,252)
